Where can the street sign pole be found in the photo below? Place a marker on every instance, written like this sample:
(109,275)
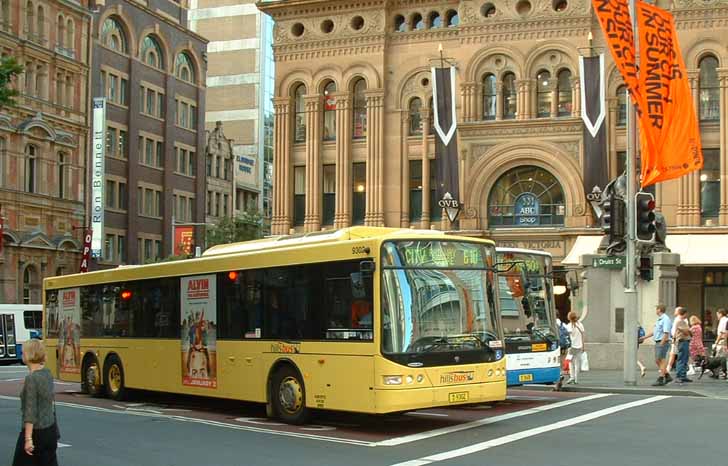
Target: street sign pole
(631,314)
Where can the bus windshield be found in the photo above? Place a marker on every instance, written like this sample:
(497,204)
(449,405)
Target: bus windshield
(438,302)
(526,298)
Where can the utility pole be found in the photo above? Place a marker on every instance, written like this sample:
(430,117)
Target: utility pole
(631,312)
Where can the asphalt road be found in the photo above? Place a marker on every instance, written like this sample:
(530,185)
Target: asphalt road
(531,428)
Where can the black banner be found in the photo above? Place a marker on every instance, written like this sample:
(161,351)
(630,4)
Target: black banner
(446,150)
(593,114)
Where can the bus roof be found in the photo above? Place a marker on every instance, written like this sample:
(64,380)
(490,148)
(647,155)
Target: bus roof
(534,252)
(228,253)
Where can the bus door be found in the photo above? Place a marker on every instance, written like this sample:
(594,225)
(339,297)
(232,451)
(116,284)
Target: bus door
(7,336)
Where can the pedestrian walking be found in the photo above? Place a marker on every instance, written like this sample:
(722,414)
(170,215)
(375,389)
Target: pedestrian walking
(696,343)
(564,345)
(673,347)
(38,439)
(661,335)
(721,339)
(682,341)
(576,334)
(640,339)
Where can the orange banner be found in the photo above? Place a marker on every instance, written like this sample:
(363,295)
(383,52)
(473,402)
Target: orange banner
(184,237)
(616,25)
(670,135)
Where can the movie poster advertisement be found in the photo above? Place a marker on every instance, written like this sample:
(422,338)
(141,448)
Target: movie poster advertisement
(199,331)
(69,334)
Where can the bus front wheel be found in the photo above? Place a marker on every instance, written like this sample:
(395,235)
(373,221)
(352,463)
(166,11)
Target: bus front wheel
(114,378)
(289,396)
(91,378)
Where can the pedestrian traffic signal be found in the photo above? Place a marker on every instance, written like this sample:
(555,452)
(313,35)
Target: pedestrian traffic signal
(612,218)
(645,217)
(646,270)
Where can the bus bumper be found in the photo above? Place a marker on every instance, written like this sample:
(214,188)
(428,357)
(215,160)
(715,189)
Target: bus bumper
(539,375)
(394,400)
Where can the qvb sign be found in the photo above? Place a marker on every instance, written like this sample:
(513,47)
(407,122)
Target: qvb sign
(527,210)
(451,206)
(608,262)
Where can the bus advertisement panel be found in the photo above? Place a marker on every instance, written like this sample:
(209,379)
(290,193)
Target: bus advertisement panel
(70,331)
(199,326)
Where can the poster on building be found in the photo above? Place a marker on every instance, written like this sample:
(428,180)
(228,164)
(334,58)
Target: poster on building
(184,239)
(98,175)
(86,254)
(69,344)
(199,331)
(446,148)
(593,115)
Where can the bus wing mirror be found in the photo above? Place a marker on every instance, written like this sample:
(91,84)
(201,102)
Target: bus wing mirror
(367,267)
(504,267)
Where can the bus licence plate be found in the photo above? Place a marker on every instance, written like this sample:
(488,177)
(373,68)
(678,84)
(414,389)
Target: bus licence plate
(458,397)
(525,378)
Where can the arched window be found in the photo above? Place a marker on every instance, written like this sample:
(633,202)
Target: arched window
(621,106)
(564,93)
(489,97)
(417,22)
(59,89)
(435,20)
(526,196)
(183,68)
(329,112)
(415,117)
(30,283)
(543,94)
(510,98)
(113,37)
(452,18)
(152,52)
(360,109)
(70,35)
(5,12)
(31,167)
(299,113)
(709,89)
(62,161)
(40,21)
(30,20)
(60,31)
(400,24)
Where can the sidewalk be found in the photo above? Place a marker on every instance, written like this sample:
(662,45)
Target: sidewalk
(604,381)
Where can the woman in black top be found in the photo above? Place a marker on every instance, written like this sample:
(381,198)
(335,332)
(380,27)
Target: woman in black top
(38,437)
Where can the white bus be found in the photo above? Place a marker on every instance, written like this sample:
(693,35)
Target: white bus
(528,316)
(18,323)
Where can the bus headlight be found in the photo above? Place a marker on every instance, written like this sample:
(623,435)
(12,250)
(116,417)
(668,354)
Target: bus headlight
(420,378)
(392,380)
(409,379)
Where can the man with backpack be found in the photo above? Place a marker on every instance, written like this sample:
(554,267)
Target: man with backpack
(564,345)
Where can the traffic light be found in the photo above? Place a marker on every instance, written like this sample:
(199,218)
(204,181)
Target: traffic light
(612,218)
(646,271)
(645,217)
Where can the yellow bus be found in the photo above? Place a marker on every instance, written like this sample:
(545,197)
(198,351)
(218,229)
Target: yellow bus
(370,320)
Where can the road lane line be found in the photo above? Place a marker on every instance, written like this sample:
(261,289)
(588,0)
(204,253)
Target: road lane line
(207,422)
(423,413)
(482,422)
(478,447)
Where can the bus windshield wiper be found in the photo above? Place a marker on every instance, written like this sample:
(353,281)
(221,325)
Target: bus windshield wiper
(442,341)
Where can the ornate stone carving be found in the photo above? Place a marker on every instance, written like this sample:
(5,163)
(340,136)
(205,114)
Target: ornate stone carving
(535,128)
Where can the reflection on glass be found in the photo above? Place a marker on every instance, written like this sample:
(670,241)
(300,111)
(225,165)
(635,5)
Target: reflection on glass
(710,187)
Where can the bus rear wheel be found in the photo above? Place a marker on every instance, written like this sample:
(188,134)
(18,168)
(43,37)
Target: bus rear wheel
(114,378)
(289,396)
(91,378)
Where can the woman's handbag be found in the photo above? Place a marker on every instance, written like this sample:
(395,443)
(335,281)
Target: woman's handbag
(584,362)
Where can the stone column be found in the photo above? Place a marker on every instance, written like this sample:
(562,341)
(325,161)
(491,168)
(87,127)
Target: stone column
(404,159)
(374,215)
(522,87)
(478,102)
(425,219)
(312,218)
(723,79)
(282,187)
(499,100)
(554,88)
(576,97)
(467,92)
(342,215)
(693,178)
(612,107)
(531,99)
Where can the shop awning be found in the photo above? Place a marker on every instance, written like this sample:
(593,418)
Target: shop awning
(694,250)
(583,245)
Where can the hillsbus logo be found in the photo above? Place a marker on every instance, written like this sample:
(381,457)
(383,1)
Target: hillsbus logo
(457,377)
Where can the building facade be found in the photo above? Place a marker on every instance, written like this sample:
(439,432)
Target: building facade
(219,161)
(43,144)
(353,132)
(239,93)
(151,69)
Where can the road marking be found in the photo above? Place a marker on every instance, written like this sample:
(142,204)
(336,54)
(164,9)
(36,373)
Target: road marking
(478,447)
(482,422)
(63,445)
(424,413)
(12,380)
(15,371)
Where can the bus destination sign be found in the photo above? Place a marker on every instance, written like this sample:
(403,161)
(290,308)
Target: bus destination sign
(441,254)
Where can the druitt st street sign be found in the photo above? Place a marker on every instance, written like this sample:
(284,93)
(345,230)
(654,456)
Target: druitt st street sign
(609,262)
